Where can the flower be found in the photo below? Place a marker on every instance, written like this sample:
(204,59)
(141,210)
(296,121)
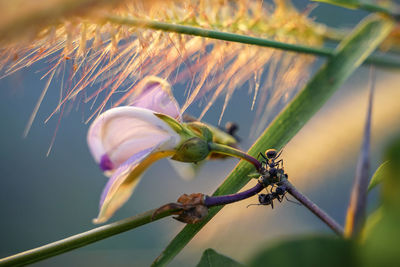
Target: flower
(125,140)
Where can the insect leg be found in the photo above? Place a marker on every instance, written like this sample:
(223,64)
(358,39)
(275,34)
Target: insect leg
(279,198)
(279,162)
(263,162)
(295,202)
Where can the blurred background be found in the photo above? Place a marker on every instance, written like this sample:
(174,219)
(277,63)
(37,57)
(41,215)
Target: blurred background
(44,199)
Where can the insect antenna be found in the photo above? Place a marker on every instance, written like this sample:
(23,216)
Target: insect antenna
(279,153)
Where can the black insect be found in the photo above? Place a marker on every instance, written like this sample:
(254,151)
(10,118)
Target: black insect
(231,128)
(270,157)
(268,199)
(273,167)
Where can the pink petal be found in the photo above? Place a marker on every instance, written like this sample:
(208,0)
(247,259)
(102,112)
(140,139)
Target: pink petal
(155,94)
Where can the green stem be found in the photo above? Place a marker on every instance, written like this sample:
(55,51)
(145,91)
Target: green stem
(370,7)
(233,152)
(82,239)
(389,62)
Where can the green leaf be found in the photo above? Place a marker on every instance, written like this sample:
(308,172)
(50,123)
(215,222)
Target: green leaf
(378,176)
(382,242)
(211,258)
(350,53)
(324,251)
(371,222)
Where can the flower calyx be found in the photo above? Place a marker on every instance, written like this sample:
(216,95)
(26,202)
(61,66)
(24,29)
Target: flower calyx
(195,138)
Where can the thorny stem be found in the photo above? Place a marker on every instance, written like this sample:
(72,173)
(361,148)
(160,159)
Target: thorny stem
(82,239)
(336,227)
(381,60)
(211,201)
(233,152)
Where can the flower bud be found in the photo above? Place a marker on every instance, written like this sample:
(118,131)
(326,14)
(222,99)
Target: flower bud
(192,150)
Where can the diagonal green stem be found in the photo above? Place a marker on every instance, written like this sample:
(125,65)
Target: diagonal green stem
(348,57)
(370,7)
(384,61)
(82,239)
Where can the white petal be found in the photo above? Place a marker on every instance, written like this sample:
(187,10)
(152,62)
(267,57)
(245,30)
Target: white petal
(121,132)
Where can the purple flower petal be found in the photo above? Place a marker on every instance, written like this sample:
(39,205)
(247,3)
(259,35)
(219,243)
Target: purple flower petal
(105,163)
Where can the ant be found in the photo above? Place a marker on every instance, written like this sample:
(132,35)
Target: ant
(268,199)
(272,166)
(269,159)
(273,175)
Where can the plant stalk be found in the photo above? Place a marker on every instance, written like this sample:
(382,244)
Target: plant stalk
(233,152)
(211,201)
(82,239)
(329,221)
(379,60)
(356,211)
